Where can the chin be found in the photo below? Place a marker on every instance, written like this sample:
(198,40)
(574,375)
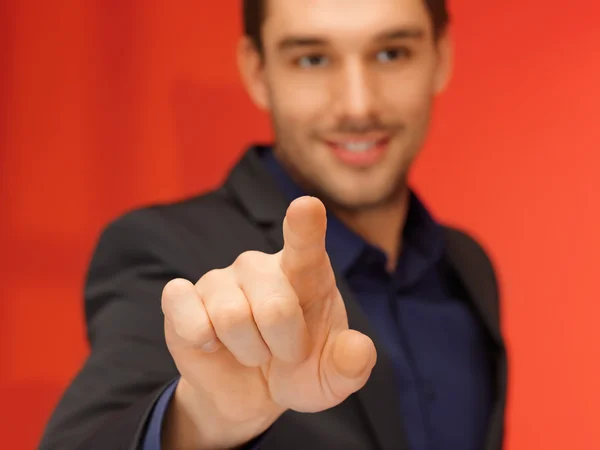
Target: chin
(358,199)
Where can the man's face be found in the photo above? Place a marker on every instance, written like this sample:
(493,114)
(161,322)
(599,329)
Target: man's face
(349,85)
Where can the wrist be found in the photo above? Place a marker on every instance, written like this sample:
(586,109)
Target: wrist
(193,423)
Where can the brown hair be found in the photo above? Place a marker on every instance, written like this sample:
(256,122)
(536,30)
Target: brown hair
(255,10)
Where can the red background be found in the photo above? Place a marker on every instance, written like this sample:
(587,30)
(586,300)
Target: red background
(109,104)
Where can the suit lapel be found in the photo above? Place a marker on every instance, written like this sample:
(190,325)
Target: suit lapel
(258,194)
(477,275)
(474,270)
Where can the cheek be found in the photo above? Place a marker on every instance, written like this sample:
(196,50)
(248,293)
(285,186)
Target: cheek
(409,94)
(299,100)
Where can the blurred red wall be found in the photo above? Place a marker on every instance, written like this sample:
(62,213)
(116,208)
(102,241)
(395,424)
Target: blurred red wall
(106,105)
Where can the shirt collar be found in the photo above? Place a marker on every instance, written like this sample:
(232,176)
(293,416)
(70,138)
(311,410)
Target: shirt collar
(423,241)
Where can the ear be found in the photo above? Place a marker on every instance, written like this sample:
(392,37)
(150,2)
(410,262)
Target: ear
(251,67)
(445,62)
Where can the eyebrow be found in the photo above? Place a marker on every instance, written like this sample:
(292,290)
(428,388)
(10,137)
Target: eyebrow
(401,33)
(291,42)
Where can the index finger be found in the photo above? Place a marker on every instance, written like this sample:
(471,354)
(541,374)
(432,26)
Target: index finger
(304,229)
(304,259)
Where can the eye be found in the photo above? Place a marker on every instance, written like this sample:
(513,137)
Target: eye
(393,54)
(309,61)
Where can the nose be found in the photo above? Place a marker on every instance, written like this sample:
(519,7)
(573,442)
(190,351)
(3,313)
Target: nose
(355,91)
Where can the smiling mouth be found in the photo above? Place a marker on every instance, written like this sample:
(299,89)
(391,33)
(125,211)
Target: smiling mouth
(358,143)
(359,151)
(357,146)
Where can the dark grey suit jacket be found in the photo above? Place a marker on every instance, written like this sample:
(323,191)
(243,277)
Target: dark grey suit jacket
(107,405)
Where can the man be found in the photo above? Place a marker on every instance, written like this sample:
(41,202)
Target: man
(311,301)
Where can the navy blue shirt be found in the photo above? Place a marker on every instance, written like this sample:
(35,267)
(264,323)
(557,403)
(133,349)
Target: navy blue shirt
(439,350)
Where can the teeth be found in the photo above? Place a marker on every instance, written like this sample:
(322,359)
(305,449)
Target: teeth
(358,146)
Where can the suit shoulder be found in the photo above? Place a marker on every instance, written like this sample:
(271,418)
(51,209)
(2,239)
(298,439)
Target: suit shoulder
(166,219)
(154,232)
(461,238)
(171,212)
(194,235)
(148,243)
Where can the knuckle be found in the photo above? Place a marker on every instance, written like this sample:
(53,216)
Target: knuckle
(230,316)
(250,259)
(176,287)
(173,290)
(276,309)
(213,278)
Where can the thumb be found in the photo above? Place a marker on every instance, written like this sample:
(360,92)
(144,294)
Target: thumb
(352,356)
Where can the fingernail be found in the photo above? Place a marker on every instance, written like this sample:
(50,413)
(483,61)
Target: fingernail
(210,347)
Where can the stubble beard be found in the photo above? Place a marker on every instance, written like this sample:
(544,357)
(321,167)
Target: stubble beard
(287,145)
(310,184)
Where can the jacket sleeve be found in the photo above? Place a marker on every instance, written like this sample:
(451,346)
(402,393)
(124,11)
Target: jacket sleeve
(108,403)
